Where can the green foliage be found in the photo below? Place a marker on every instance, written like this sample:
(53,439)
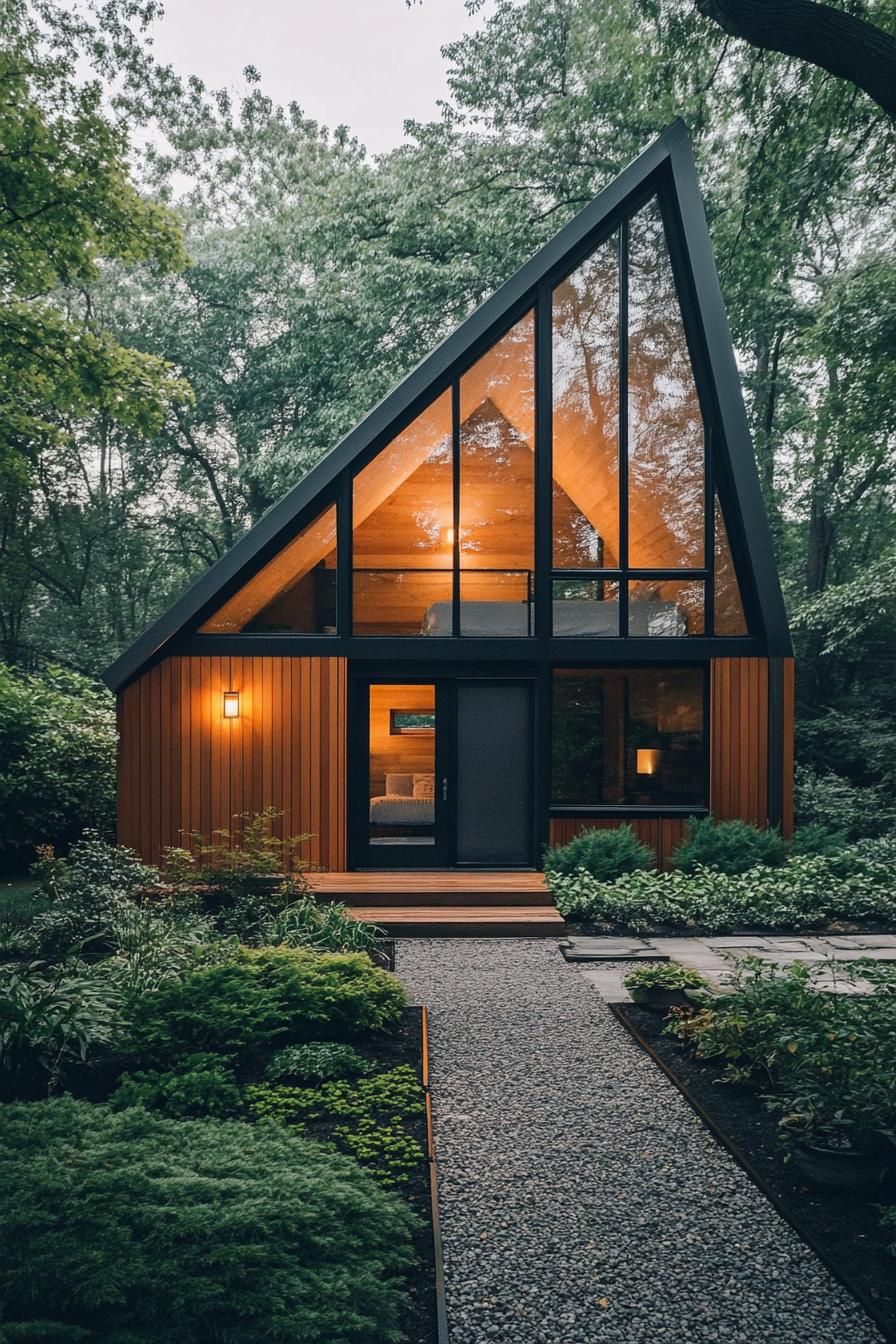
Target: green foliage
(57,761)
(816,839)
(322,926)
(262,998)
(666,975)
(245,876)
(829,800)
(51,1018)
(202,1085)
(827,1059)
(603,854)
(316,1062)
(808,892)
(728,847)
(143,1228)
(374,1109)
(888,1220)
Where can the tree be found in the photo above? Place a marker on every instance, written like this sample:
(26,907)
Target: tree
(845,44)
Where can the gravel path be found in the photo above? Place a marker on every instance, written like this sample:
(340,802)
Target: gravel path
(582,1201)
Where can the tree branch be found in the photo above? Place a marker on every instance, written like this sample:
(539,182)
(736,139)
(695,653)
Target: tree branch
(841,43)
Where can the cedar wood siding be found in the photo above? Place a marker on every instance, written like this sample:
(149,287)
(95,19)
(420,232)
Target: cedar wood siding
(183,767)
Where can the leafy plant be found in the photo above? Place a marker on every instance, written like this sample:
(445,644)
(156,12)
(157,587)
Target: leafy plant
(375,1106)
(85,893)
(605,854)
(316,1062)
(262,998)
(665,975)
(57,761)
(203,1084)
(728,847)
(51,1018)
(322,926)
(826,799)
(816,839)
(808,892)
(193,1231)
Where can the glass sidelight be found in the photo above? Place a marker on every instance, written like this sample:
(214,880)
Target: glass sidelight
(403,790)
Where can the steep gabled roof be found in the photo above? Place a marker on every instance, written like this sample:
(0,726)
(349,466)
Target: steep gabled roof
(667,167)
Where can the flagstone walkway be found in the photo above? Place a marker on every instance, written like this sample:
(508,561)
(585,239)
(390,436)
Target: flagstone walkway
(582,1201)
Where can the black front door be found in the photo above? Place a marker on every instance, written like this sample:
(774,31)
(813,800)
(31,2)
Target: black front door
(441,773)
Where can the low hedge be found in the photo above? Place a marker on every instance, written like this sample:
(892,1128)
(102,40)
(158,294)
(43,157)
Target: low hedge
(808,892)
(157,1231)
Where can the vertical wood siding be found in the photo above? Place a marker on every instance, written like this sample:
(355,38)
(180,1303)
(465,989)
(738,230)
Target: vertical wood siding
(183,767)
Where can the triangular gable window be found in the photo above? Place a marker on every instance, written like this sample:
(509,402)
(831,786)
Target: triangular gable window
(444,515)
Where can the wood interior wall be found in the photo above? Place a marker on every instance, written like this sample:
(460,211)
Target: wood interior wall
(183,767)
(403,752)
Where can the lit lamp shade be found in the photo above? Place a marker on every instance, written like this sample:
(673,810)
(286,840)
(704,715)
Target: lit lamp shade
(648,762)
(231,704)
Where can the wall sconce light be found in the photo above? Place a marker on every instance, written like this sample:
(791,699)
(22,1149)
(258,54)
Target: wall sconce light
(231,704)
(648,760)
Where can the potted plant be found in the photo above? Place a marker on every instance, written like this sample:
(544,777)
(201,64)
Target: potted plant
(835,1147)
(666,985)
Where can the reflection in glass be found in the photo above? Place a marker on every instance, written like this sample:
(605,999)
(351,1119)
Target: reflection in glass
(628,737)
(586,607)
(728,616)
(665,607)
(585,468)
(665,426)
(402,516)
(295,593)
(401,775)
(496,603)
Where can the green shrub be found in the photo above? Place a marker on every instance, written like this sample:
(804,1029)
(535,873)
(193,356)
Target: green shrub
(888,1221)
(160,1231)
(605,854)
(262,998)
(827,1061)
(57,761)
(373,1109)
(728,847)
(201,1085)
(815,839)
(83,893)
(50,1019)
(317,1062)
(321,926)
(806,893)
(829,800)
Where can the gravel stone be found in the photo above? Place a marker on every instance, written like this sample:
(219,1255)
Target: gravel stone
(582,1201)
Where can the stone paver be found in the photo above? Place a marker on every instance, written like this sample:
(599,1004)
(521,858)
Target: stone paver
(582,1201)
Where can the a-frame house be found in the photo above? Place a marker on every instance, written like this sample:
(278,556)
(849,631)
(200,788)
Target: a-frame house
(532,591)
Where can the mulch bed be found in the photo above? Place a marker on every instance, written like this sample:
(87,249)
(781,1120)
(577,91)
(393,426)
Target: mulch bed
(843,1228)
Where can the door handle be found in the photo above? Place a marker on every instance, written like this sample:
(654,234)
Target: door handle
(445,790)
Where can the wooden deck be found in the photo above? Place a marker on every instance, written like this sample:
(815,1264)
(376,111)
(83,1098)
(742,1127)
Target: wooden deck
(410,902)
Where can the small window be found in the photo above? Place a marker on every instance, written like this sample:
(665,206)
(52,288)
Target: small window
(412,722)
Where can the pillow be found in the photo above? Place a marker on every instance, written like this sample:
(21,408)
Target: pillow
(424,786)
(400,785)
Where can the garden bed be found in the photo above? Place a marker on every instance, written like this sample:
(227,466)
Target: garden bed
(843,1229)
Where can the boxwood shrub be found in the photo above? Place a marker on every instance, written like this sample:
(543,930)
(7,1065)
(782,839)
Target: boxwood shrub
(808,892)
(604,852)
(157,1231)
(728,846)
(263,997)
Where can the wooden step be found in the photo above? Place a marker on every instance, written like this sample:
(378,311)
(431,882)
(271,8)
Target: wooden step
(480,921)
(395,889)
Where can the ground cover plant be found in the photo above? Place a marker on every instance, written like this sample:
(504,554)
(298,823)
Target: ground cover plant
(144,1228)
(809,891)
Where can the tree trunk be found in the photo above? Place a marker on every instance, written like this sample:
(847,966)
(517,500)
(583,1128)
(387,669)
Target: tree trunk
(841,43)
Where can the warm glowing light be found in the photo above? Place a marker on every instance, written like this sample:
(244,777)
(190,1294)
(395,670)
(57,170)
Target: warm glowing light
(231,704)
(648,761)
(449,536)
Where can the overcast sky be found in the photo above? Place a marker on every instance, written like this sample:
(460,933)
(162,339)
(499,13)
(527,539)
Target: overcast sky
(367,63)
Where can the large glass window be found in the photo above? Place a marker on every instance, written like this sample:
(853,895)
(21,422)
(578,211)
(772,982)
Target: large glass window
(665,427)
(729,616)
(628,737)
(403,538)
(295,593)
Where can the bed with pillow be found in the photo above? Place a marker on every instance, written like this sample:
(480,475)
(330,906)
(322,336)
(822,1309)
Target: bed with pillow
(575,617)
(409,800)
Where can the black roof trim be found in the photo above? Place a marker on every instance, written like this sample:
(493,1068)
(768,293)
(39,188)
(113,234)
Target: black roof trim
(672,151)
